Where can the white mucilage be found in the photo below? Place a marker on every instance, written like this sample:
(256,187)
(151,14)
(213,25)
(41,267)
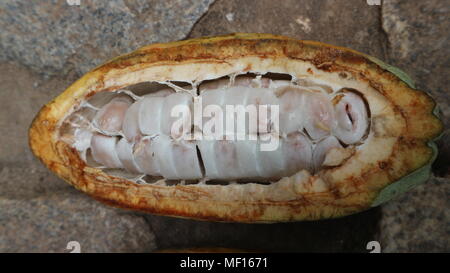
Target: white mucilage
(141,135)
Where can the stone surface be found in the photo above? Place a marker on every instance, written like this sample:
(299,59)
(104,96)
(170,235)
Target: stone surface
(49,222)
(418,221)
(441,166)
(418,42)
(53,36)
(348,234)
(347,23)
(24,93)
(21,174)
(29,181)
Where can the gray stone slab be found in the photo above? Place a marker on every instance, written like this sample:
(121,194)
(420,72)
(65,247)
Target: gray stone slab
(347,23)
(418,221)
(418,42)
(347,234)
(53,36)
(49,222)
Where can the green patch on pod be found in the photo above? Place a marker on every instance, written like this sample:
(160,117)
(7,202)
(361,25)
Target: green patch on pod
(420,175)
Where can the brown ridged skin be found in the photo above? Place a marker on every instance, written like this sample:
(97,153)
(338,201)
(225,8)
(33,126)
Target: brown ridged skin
(348,194)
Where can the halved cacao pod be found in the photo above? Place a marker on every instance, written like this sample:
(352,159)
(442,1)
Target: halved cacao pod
(353,131)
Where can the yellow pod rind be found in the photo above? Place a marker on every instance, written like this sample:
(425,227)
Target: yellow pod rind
(399,142)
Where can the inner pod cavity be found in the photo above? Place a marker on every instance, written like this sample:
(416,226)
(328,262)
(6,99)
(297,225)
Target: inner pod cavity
(247,128)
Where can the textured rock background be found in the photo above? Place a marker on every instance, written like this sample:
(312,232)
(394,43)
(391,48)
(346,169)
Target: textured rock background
(47,45)
(53,37)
